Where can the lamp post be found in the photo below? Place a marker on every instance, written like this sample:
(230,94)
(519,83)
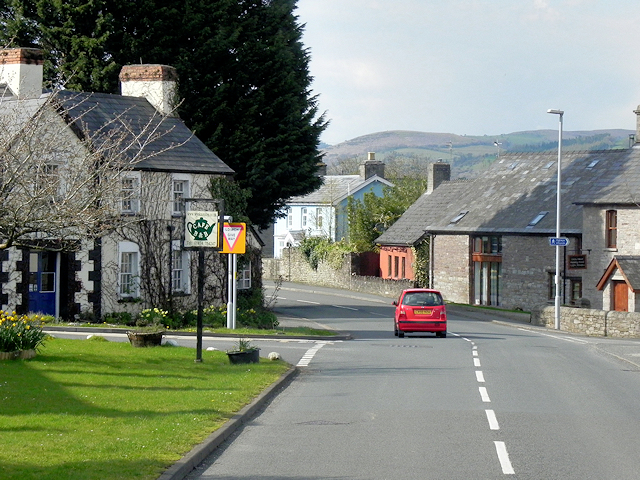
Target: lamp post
(497,144)
(560,114)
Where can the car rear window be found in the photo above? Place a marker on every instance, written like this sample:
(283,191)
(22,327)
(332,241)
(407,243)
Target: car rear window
(422,299)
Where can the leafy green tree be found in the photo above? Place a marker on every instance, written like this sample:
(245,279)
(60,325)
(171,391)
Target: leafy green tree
(372,216)
(243,74)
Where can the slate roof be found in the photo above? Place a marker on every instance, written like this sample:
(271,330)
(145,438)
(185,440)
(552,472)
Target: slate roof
(518,187)
(172,147)
(335,188)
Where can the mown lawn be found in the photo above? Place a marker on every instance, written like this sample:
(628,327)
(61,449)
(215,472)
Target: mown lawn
(92,409)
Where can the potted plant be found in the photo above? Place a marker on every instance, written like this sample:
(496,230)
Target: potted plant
(150,328)
(20,335)
(244,352)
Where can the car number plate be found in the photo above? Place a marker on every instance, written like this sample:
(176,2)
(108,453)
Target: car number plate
(422,312)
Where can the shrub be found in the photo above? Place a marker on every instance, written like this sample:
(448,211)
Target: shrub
(119,318)
(152,316)
(216,317)
(261,318)
(20,332)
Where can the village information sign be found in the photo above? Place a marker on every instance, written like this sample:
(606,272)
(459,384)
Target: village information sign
(202,229)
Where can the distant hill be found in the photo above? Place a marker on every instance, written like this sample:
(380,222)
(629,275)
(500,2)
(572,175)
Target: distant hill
(467,153)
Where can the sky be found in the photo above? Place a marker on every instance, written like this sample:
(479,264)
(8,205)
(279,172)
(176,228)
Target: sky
(472,67)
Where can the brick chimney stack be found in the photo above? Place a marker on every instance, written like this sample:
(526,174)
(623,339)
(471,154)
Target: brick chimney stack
(157,83)
(21,71)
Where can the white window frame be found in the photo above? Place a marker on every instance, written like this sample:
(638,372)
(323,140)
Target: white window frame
(243,281)
(289,218)
(128,270)
(130,193)
(304,217)
(319,218)
(180,269)
(180,186)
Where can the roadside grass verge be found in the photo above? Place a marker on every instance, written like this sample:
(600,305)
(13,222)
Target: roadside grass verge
(87,409)
(287,331)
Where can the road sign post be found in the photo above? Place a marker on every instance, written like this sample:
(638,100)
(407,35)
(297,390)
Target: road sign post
(234,242)
(202,230)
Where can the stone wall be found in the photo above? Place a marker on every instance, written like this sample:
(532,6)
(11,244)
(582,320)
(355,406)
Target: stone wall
(293,267)
(590,322)
(451,267)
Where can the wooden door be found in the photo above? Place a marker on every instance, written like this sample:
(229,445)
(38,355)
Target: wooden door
(620,296)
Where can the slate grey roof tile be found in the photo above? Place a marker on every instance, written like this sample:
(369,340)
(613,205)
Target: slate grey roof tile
(516,188)
(172,147)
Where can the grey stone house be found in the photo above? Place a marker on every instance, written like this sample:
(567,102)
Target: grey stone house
(489,237)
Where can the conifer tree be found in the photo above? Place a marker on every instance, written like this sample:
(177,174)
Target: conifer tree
(243,72)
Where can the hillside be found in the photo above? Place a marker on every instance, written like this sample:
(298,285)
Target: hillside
(467,153)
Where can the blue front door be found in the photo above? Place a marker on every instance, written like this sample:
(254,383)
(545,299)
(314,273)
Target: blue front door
(42,282)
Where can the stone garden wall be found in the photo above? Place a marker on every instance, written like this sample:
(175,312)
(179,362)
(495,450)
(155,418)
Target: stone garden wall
(293,267)
(590,322)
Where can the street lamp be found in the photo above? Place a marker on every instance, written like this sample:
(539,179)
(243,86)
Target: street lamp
(497,144)
(560,114)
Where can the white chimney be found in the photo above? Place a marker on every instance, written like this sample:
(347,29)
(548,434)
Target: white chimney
(21,71)
(157,83)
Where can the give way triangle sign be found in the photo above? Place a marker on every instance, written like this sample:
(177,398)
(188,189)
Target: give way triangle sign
(235,238)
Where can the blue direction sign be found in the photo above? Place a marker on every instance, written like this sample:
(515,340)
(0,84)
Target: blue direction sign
(558,241)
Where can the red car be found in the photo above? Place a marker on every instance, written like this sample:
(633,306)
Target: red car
(420,310)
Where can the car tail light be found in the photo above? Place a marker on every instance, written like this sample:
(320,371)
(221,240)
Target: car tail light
(402,316)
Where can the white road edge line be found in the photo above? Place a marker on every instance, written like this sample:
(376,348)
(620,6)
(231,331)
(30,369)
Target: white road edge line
(572,340)
(307,301)
(484,395)
(492,419)
(503,456)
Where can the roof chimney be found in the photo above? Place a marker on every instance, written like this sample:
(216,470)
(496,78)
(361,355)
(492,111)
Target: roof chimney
(437,173)
(637,112)
(157,83)
(21,72)
(371,167)
(321,169)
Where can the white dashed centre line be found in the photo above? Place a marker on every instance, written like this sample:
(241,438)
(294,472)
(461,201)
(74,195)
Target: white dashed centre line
(479,376)
(346,308)
(484,395)
(493,421)
(503,456)
(476,362)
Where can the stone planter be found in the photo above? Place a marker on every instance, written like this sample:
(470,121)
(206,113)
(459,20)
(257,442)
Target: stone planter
(249,356)
(145,339)
(27,354)
(20,354)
